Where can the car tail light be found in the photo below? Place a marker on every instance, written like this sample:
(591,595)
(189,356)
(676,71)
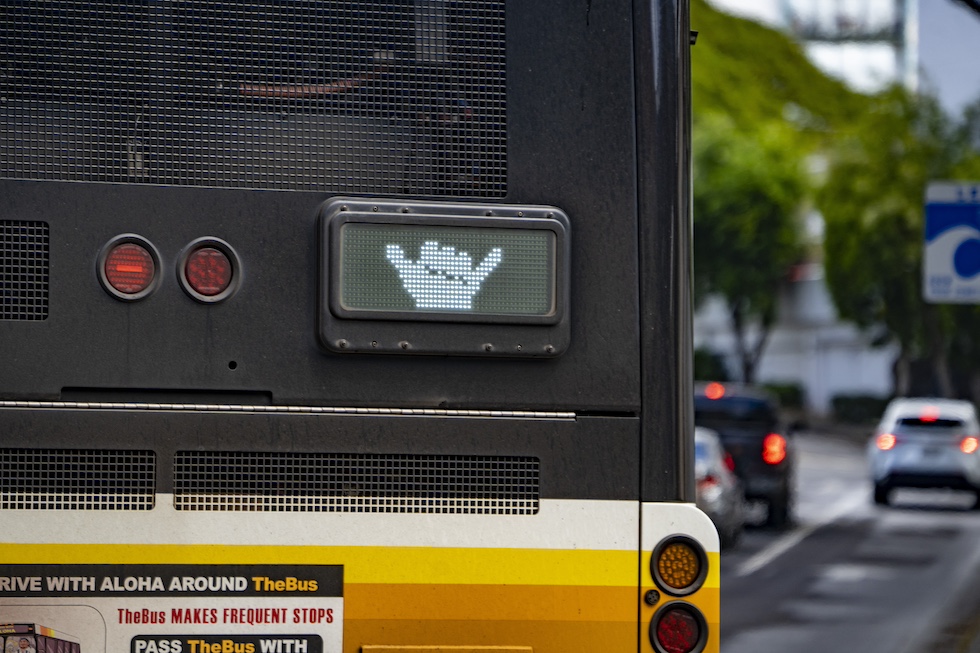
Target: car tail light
(886,441)
(929,414)
(678,628)
(707,483)
(773,449)
(729,462)
(714,391)
(969,444)
(129,267)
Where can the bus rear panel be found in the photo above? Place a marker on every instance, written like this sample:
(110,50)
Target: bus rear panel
(348,327)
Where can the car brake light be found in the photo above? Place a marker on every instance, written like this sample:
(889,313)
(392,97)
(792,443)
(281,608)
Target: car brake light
(714,391)
(773,449)
(969,444)
(886,442)
(729,462)
(929,414)
(707,483)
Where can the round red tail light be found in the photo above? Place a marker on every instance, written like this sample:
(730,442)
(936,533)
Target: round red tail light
(969,444)
(209,270)
(773,449)
(128,267)
(678,628)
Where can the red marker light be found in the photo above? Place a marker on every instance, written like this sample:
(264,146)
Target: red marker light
(929,414)
(969,444)
(129,268)
(886,442)
(714,391)
(678,630)
(773,449)
(208,271)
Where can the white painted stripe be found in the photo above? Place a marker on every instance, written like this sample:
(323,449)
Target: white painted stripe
(845,505)
(560,524)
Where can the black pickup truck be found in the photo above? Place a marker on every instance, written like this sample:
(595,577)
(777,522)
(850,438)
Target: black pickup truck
(752,431)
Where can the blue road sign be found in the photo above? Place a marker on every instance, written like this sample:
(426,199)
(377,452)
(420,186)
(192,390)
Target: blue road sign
(951,263)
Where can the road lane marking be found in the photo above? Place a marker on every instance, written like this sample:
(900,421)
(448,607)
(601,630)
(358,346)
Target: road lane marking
(846,504)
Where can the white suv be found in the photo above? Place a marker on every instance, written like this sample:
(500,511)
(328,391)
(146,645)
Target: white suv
(926,443)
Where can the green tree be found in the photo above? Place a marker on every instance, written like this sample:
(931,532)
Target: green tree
(748,191)
(759,111)
(872,202)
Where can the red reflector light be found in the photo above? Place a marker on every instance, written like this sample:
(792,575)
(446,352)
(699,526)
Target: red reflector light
(714,391)
(773,449)
(208,271)
(729,462)
(969,444)
(129,269)
(886,442)
(678,630)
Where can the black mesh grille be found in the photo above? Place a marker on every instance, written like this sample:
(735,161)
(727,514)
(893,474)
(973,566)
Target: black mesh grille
(356,483)
(23,270)
(76,479)
(402,97)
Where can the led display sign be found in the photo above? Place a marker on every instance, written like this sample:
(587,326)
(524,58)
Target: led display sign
(447,264)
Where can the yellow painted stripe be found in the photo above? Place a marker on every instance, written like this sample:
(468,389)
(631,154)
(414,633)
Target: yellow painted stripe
(494,602)
(446,649)
(554,601)
(540,636)
(388,565)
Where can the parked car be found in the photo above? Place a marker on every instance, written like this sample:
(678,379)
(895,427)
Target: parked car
(925,443)
(752,430)
(719,492)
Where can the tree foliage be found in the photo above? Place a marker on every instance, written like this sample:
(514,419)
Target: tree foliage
(746,238)
(872,202)
(760,109)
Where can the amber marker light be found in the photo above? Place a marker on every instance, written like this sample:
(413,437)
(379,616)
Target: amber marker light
(886,442)
(679,565)
(969,444)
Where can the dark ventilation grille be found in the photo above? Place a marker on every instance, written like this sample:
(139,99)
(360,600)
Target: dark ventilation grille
(76,479)
(491,485)
(23,270)
(328,95)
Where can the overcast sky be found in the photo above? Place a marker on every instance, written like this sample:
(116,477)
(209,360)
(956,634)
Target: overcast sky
(949,51)
(949,45)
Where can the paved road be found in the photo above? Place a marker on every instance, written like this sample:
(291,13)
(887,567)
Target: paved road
(851,576)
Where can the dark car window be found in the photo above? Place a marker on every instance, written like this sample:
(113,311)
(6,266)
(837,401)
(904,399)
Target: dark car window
(930,423)
(744,410)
